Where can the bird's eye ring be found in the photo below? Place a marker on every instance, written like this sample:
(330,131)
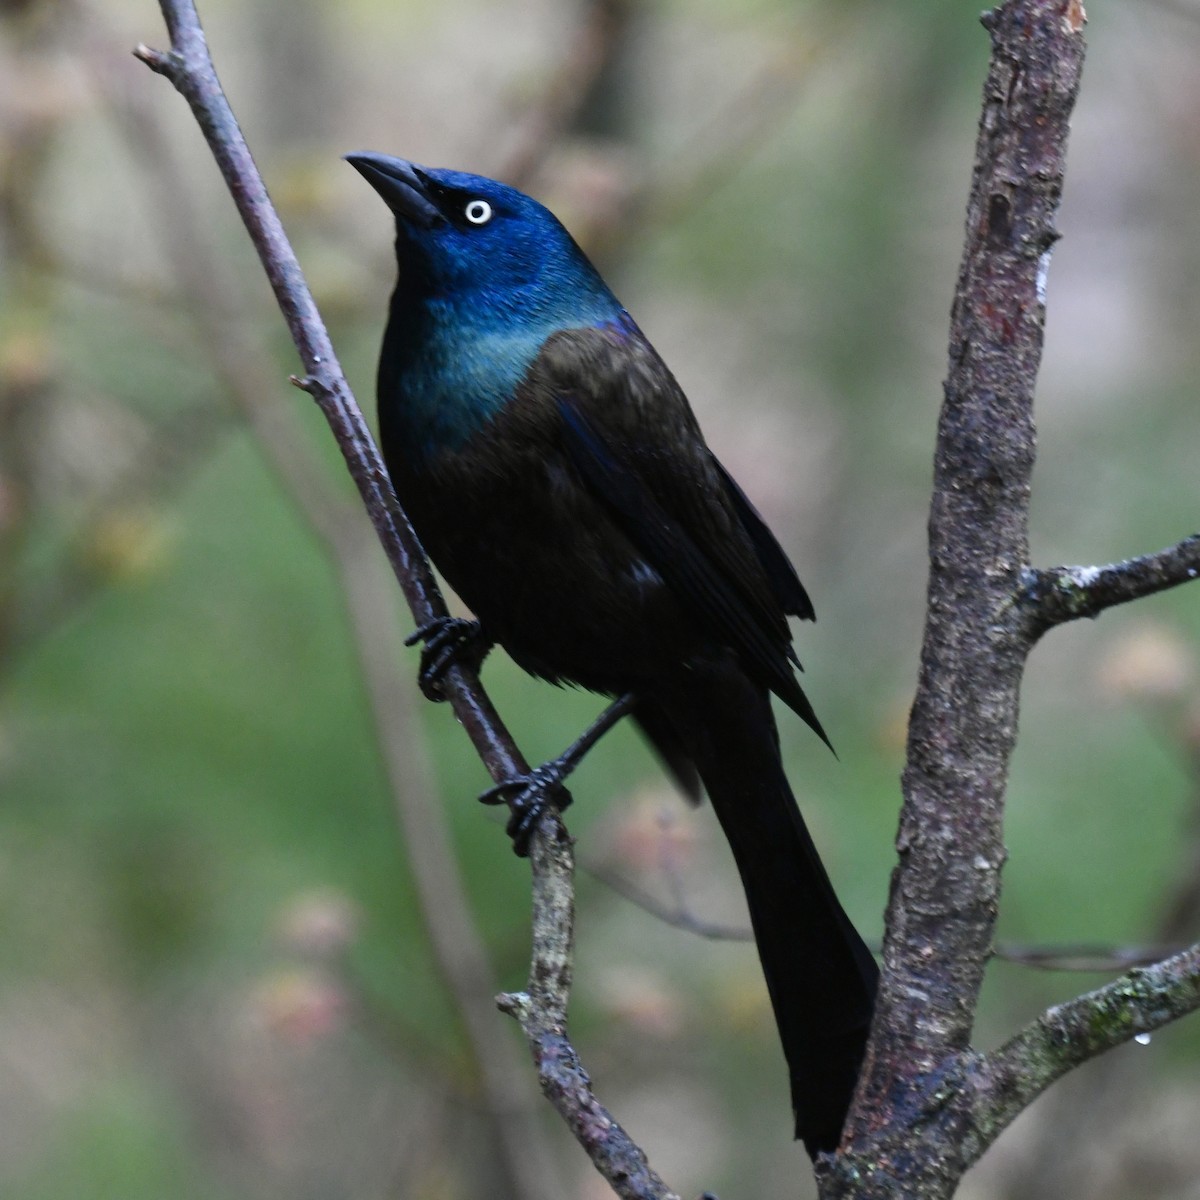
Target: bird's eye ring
(478,212)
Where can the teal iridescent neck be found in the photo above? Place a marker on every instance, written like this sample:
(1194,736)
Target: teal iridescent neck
(451,363)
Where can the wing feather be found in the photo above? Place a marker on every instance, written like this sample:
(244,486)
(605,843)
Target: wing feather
(682,510)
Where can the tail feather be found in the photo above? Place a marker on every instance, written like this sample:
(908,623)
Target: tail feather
(819,973)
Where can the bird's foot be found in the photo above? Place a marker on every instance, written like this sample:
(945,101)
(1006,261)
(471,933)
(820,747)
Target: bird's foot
(529,796)
(447,642)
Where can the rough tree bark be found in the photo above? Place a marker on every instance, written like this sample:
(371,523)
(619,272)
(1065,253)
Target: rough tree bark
(929,1104)
(963,724)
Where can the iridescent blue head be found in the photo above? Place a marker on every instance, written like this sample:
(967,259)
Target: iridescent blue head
(487,274)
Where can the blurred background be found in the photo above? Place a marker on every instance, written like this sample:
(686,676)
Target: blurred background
(252,915)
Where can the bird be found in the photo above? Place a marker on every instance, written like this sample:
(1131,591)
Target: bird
(556,475)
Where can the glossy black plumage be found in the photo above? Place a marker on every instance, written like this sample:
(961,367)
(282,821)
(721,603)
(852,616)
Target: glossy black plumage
(556,475)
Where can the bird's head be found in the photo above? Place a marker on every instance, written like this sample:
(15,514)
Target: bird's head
(467,242)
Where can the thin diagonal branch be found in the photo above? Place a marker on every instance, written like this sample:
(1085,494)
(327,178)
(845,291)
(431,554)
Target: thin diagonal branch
(677,915)
(542,1014)
(1061,594)
(526,1167)
(1063,1037)
(542,1011)
(1082,956)
(1064,1150)
(189,68)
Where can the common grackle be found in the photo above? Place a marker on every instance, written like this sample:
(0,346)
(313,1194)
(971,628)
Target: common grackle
(555,473)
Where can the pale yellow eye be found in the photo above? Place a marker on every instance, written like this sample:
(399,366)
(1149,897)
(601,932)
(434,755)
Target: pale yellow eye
(478,212)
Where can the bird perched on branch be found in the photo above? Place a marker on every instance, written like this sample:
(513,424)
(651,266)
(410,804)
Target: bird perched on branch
(555,473)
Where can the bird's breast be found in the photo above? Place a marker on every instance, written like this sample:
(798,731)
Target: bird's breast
(537,558)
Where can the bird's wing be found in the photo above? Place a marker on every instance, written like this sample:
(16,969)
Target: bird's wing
(634,442)
(781,575)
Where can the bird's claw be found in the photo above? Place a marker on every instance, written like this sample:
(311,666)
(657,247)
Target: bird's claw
(529,797)
(447,642)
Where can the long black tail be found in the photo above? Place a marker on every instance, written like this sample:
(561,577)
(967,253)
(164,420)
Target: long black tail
(820,975)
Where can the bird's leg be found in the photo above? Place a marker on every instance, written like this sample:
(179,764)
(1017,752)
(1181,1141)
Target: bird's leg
(448,642)
(528,795)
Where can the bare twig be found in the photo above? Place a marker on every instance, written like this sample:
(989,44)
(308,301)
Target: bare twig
(1065,1036)
(453,936)
(1081,957)
(676,915)
(1061,1155)
(1066,593)
(542,1013)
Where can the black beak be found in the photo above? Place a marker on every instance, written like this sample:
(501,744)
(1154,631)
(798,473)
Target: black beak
(402,184)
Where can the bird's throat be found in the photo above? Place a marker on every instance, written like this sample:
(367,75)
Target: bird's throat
(447,369)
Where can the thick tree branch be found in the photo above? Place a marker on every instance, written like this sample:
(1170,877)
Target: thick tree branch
(909,1129)
(962,730)
(1062,594)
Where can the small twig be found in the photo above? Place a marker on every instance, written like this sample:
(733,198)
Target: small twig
(542,1014)
(1064,1149)
(676,915)
(1062,594)
(1083,957)
(1063,1037)
(454,938)
(1077,957)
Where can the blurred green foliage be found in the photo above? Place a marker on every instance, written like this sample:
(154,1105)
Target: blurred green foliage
(186,748)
